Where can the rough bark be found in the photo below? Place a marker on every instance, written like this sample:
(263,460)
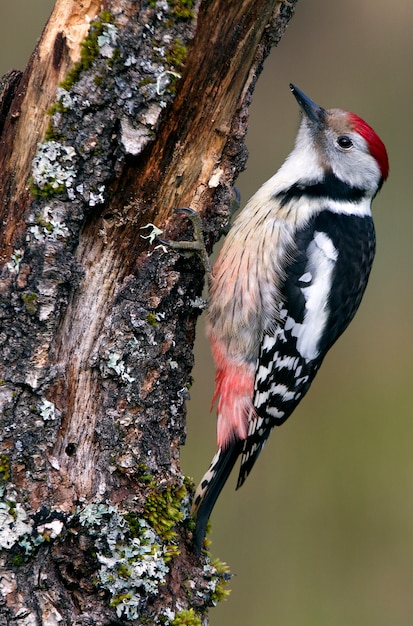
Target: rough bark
(97,323)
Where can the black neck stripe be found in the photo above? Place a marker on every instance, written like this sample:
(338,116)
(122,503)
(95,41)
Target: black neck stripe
(329,187)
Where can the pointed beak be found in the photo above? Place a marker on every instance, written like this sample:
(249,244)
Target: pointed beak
(315,113)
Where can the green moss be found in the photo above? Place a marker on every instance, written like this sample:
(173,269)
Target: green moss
(115,57)
(17,560)
(221,590)
(98,80)
(107,17)
(163,510)
(51,134)
(170,552)
(119,599)
(144,476)
(151,319)
(4,468)
(57,107)
(47,191)
(12,509)
(134,526)
(44,224)
(145,81)
(173,57)
(124,571)
(30,300)
(176,55)
(182,9)
(186,618)
(89,50)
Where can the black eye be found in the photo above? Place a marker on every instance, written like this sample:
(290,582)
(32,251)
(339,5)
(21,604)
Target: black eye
(344,142)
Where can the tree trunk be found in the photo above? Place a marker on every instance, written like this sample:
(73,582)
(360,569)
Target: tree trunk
(97,322)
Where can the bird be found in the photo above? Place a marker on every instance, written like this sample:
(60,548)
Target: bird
(288,280)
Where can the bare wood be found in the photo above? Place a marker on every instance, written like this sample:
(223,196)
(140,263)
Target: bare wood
(97,327)
(57,50)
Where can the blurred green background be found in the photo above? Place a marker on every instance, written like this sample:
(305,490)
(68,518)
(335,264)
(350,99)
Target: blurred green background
(321,533)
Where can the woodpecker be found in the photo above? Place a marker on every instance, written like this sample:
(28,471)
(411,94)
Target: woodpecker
(288,280)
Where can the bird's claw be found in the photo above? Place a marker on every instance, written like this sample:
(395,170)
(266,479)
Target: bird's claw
(198,243)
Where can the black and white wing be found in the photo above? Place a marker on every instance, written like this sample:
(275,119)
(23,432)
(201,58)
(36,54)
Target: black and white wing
(323,286)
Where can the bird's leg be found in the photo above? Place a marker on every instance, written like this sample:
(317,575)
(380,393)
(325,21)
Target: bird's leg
(198,243)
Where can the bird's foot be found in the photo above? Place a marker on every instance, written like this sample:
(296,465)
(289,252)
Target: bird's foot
(198,243)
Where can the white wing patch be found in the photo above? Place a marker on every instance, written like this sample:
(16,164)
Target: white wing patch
(306,278)
(325,244)
(322,257)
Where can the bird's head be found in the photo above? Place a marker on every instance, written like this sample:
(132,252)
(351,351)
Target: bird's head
(340,143)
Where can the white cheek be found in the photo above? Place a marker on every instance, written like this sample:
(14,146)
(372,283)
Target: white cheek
(356,166)
(362,171)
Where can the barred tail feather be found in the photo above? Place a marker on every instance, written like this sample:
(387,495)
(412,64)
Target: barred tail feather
(210,487)
(250,453)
